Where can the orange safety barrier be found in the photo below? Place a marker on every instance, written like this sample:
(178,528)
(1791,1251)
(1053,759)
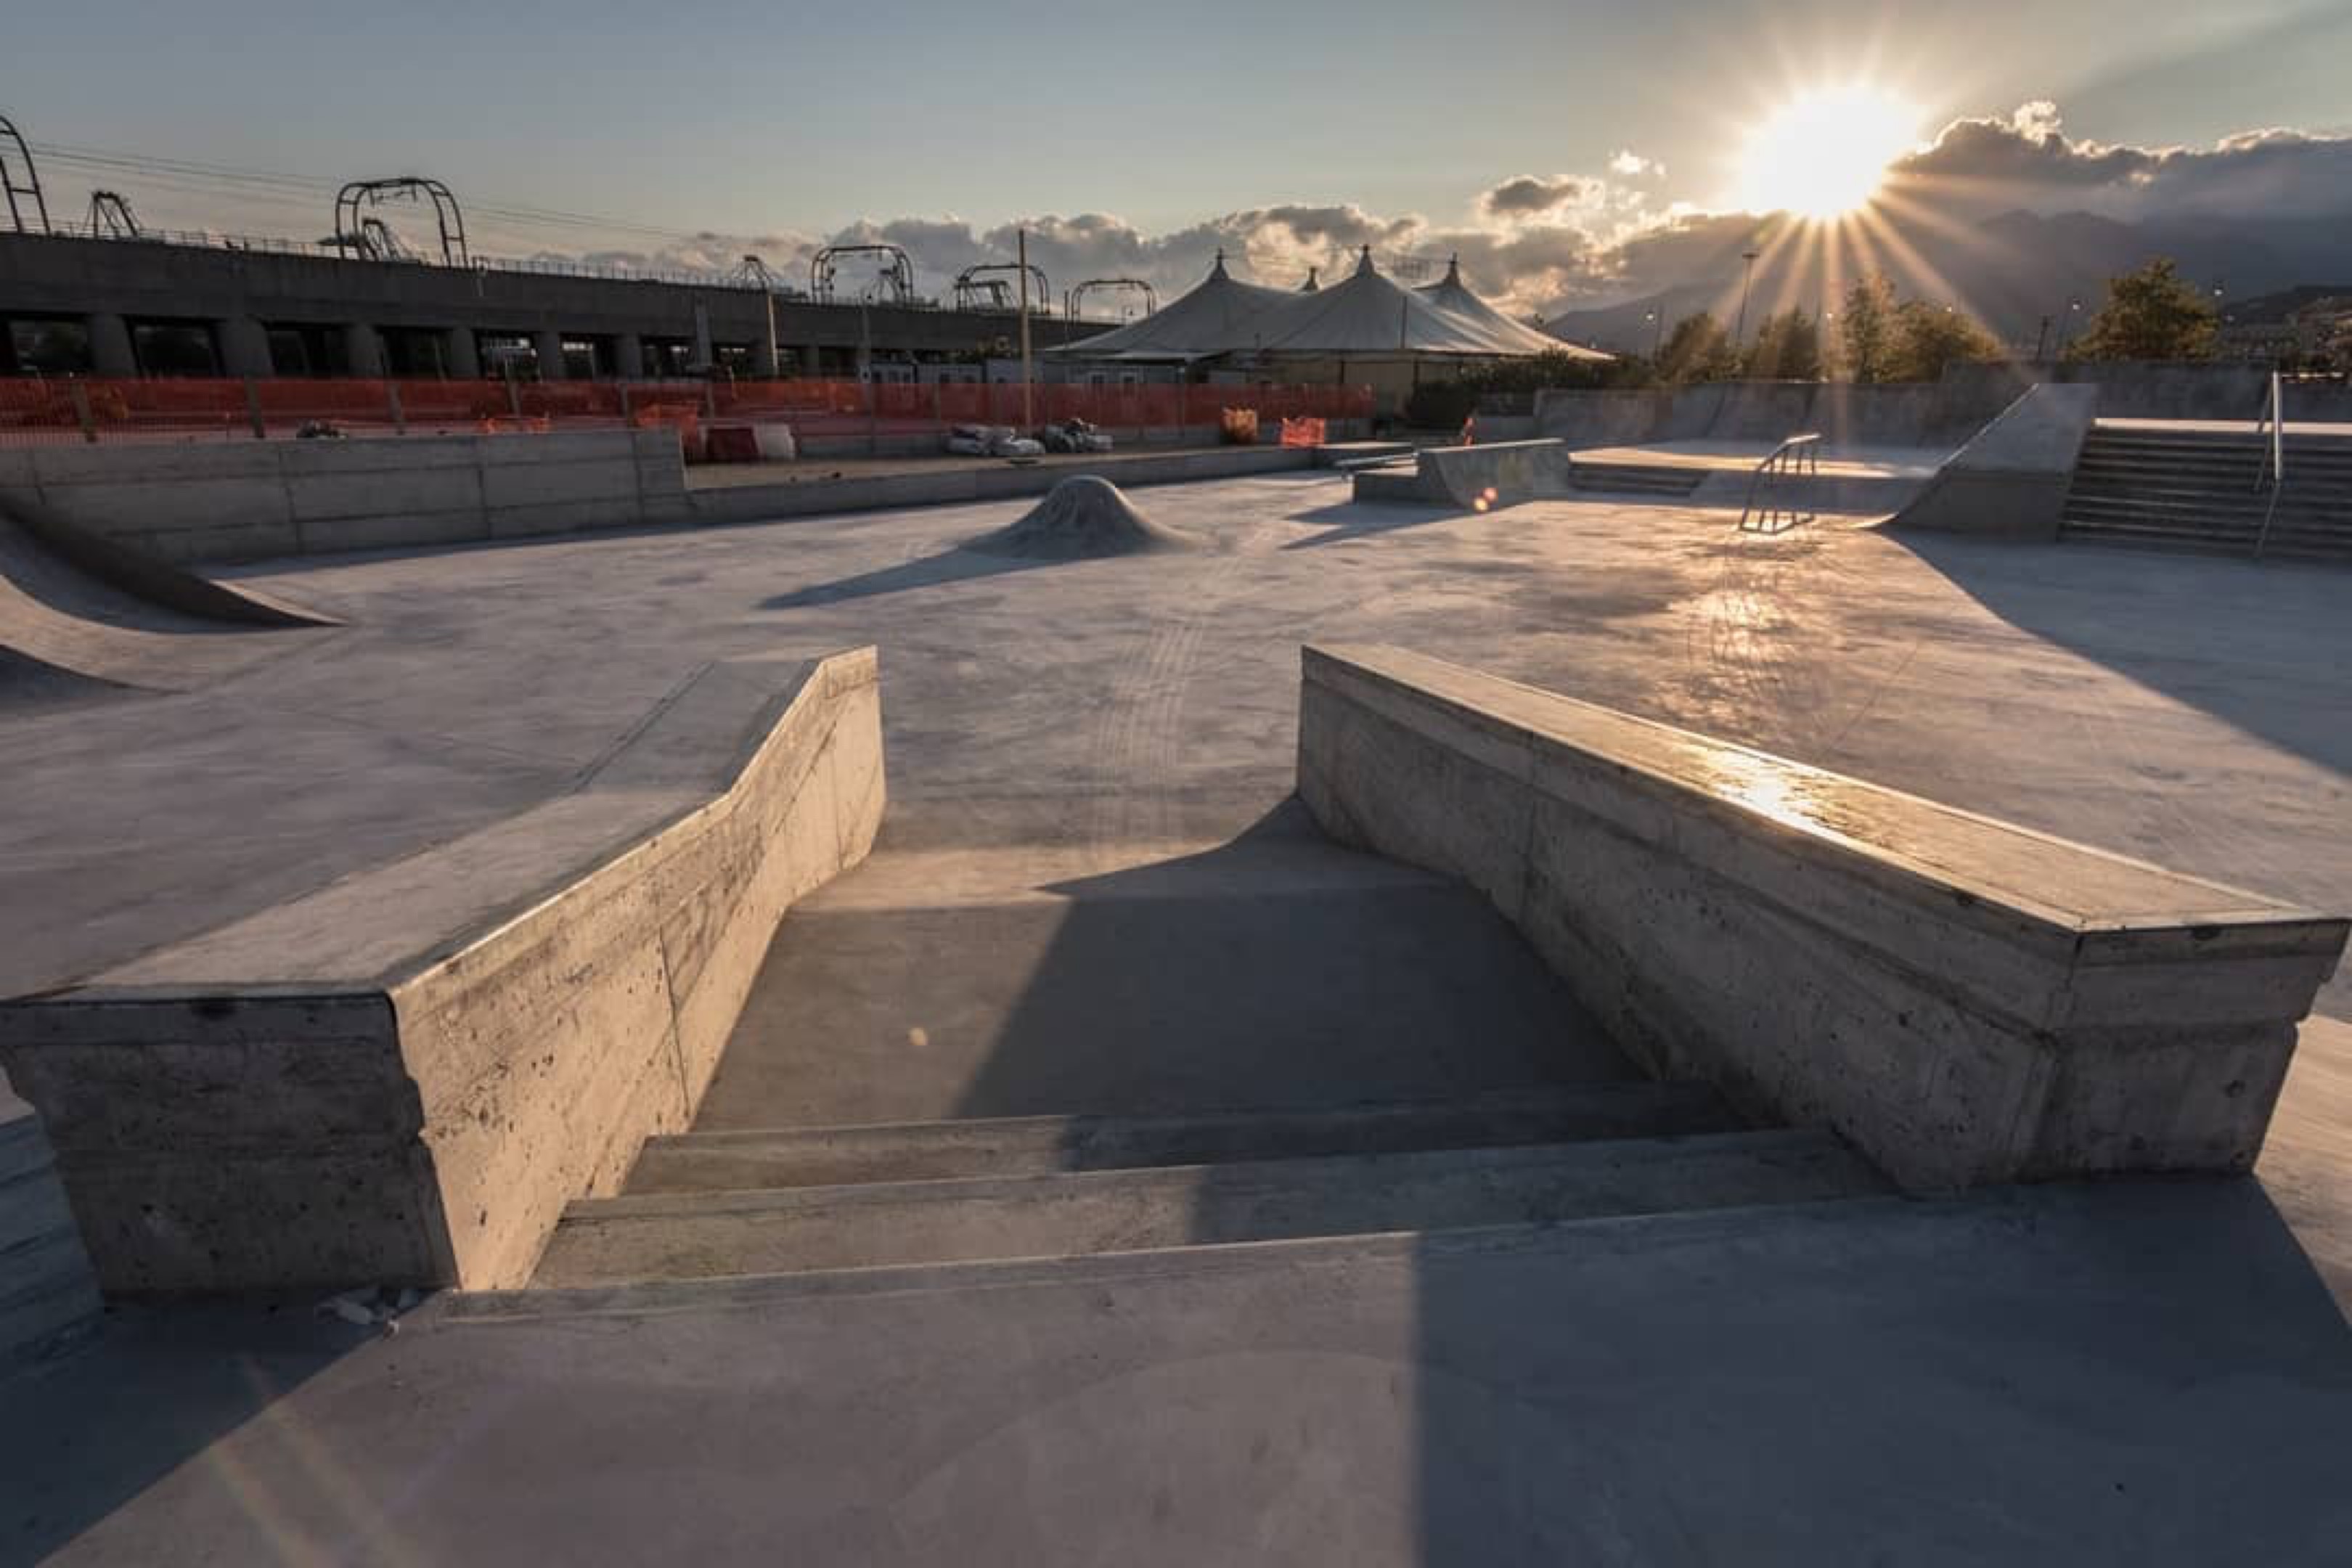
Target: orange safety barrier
(732,444)
(1305,431)
(38,411)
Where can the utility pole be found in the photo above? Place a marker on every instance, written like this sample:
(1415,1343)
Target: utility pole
(1028,393)
(1746,281)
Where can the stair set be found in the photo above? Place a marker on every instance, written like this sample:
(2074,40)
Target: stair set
(1611,478)
(2206,491)
(987,1192)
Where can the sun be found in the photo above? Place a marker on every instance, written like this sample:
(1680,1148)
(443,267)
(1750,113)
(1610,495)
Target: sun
(1825,154)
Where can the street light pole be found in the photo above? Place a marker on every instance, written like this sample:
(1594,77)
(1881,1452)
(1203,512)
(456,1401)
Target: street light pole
(1028,409)
(1746,281)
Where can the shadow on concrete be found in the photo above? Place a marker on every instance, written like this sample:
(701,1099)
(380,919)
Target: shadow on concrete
(2127,1372)
(1277,970)
(930,572)
(155,1386)
(2261,646)
(1367,519)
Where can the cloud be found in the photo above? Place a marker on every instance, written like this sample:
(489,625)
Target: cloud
(2026,160)
(1536,242)
(1526,194)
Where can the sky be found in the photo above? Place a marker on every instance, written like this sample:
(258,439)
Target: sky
(1537,139)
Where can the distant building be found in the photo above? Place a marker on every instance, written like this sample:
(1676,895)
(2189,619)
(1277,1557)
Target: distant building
(135,306)
(2291,325)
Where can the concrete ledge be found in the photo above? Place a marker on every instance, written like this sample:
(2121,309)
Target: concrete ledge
(1967,1001)
(48,1292)
(404,1076)
(948,487)
(1495,474)
(2010,480)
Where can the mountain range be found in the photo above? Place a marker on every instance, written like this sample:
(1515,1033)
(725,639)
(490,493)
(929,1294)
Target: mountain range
(2010,270)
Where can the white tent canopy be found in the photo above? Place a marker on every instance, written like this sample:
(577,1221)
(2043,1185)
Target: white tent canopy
(1451,295)
(1366,316)
(1206,321)
(1369,315)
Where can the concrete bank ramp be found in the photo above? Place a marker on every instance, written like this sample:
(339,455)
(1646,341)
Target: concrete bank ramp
(133,574)
(1084,517)
(2012,478)
(80,616)
(1477,479)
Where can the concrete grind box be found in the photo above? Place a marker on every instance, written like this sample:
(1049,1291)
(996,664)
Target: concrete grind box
(1968,1002)
(539,998)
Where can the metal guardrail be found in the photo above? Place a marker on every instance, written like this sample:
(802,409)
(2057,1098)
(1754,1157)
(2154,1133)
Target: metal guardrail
(531,266)
(1798,457)
(2273,471)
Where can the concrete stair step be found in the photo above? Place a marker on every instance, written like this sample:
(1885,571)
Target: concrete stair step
(1044,1145)
(1644,479)
(1726,1224)
(1068,1213)
(2230,503)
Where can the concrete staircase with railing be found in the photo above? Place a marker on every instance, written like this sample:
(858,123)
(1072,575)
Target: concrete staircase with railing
(2208,490)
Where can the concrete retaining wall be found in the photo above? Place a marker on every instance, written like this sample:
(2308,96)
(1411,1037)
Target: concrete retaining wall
(254,500)
(1924,415)
(404,1076)
(2012,478)
(1943,413)
(264,499)
(48,1292)
(1966,1001)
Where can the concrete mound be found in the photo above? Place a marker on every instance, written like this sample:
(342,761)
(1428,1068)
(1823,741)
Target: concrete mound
(1081,519)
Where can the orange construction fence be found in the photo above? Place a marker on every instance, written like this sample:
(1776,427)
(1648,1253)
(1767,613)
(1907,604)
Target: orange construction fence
(36,410)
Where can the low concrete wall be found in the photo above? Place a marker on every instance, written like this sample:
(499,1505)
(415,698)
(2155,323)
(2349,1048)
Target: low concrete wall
(404,1076)
(1966,1001)
(258,501)
(948,487)
(2012,480)
(48,1292)
(1944,413)
(250,500)
(1491,474)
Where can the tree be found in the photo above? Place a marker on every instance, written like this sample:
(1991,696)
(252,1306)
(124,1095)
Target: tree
(1926,338)
(1697,350)
(2152,314)
(1868,329)
(1788,347)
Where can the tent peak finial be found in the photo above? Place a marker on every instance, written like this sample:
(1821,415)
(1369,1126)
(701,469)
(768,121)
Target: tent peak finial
(1364,264)
(1314,281)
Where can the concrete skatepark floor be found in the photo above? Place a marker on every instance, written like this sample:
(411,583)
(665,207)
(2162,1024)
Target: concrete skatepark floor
(1080,751)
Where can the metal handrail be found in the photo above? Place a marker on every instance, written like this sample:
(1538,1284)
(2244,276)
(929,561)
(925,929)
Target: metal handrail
(2273,471)
(1797,456)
